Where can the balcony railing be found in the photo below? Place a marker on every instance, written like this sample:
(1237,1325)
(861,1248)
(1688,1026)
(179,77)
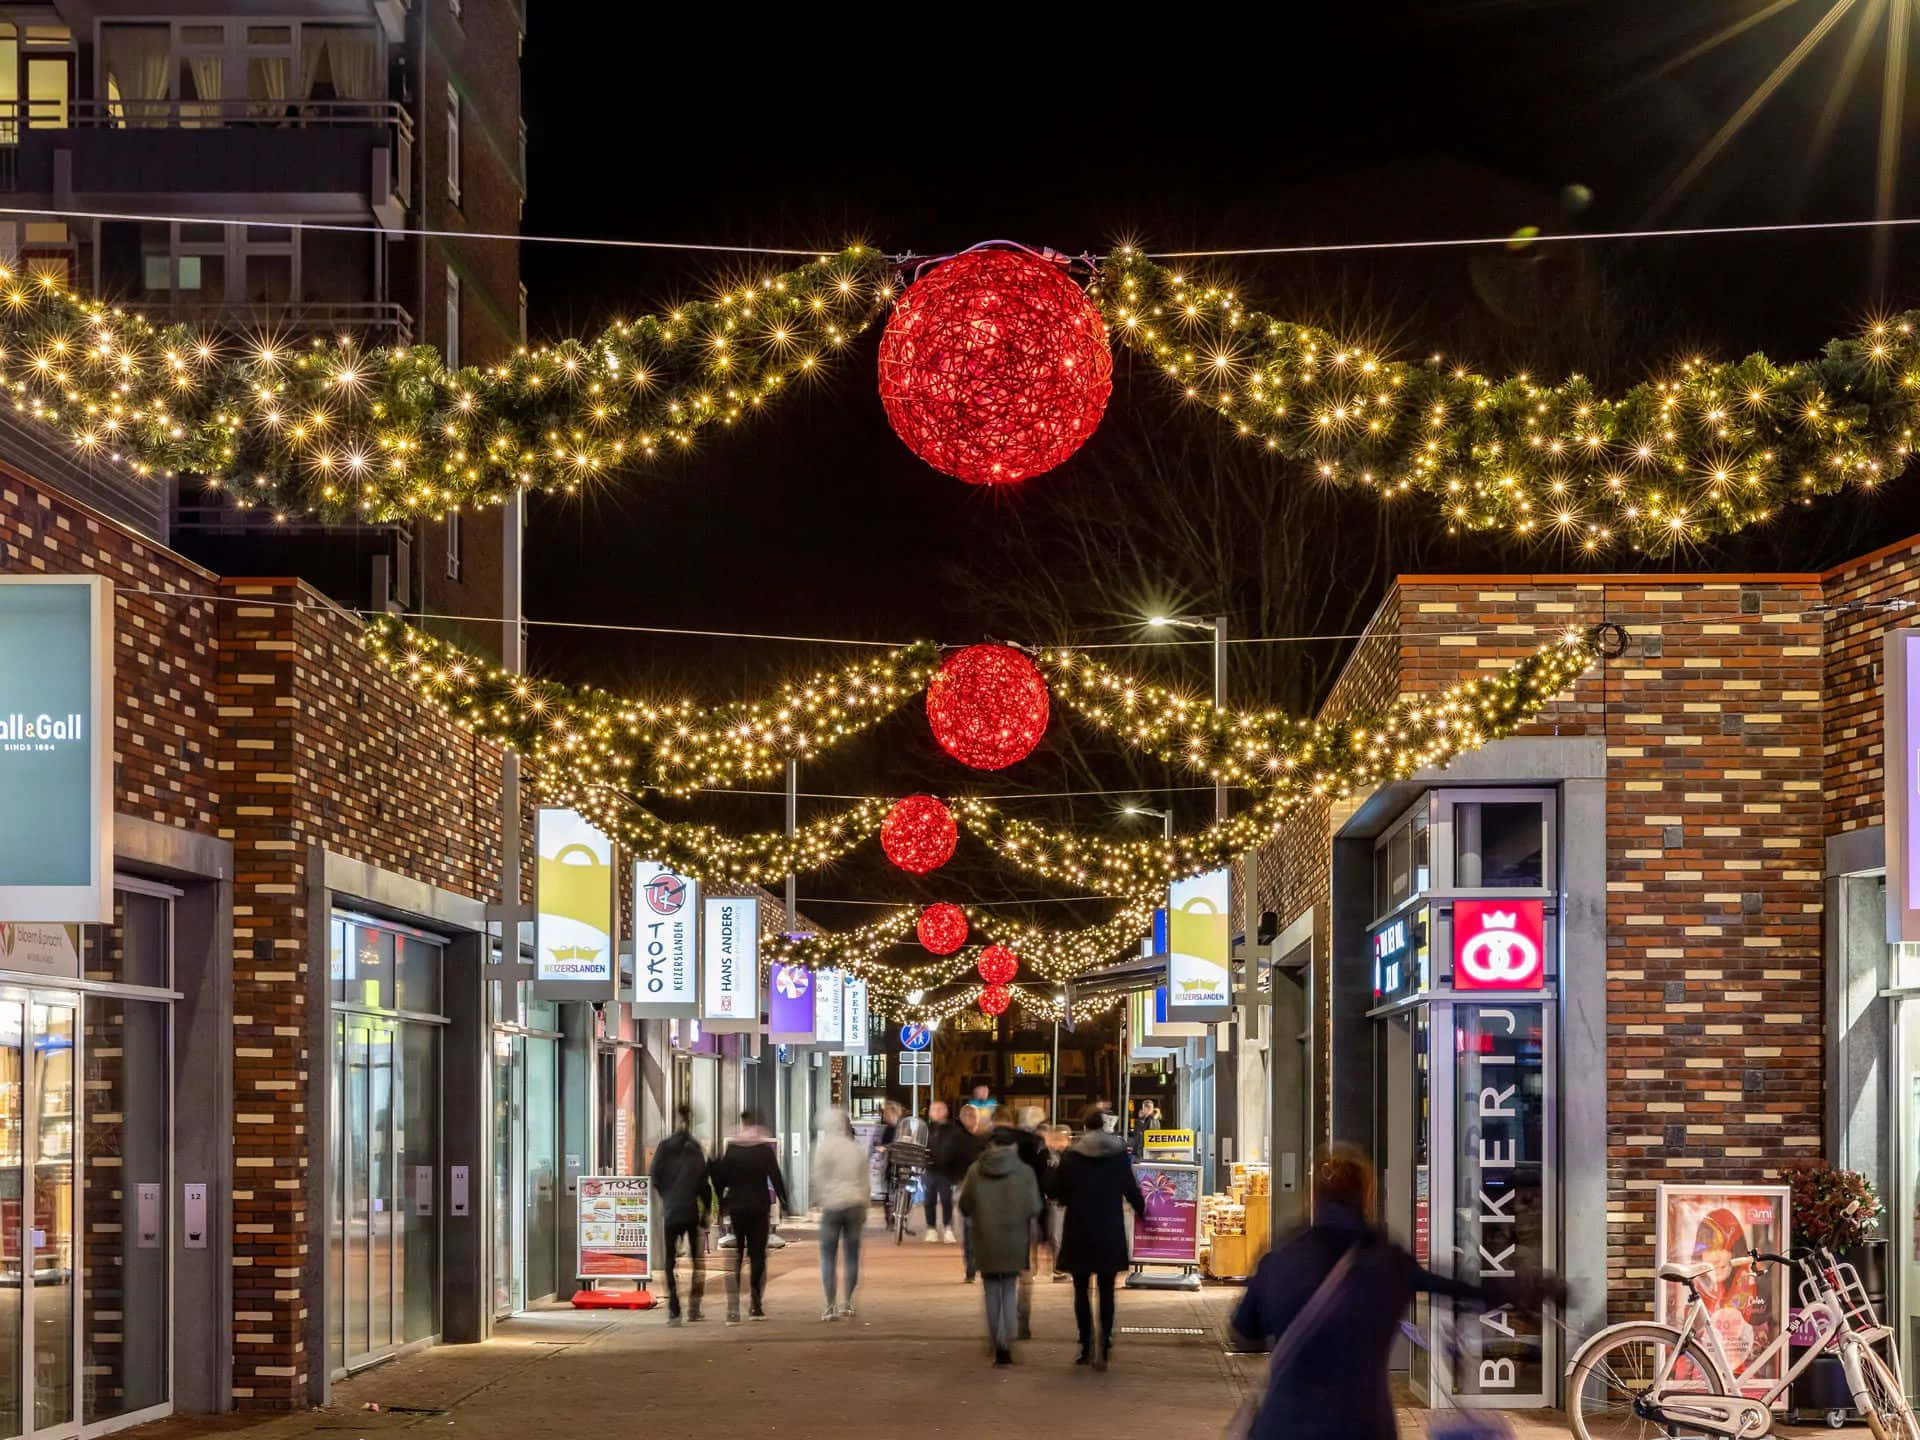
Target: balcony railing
(377,322)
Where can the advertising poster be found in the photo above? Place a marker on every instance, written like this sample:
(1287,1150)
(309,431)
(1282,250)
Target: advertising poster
(614,1214)
(56,695)
(1169,1234)
(575,957)
(666,943)
(1199,948)
(790,1005)
(829,1009)
(730,974)
(1719,1224)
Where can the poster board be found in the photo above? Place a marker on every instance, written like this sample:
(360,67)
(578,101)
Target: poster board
(1718,1223)
(614,1216)
(1169,1233)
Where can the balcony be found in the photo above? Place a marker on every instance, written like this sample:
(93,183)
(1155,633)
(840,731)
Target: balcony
(90,147)
(373,322)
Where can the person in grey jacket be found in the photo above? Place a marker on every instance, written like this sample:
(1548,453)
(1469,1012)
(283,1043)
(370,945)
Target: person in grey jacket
(1001,1199)
(840,1184)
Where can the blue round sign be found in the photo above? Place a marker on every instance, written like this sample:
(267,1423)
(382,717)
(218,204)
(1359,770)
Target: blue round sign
(915,1037)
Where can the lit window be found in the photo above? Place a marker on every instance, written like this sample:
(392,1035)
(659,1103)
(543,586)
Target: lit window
(454,545)
(453,145)
(452,349)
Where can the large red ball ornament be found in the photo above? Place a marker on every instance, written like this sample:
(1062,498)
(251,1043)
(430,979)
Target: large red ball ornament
(919,834)
(994,999)
(942,928)
(994,367)
(998,965)
(988,706)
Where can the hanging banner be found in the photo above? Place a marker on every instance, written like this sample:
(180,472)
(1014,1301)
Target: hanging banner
(573,944)
(730,976)
(859,1017)
(666,943)
(829,1010)
(56,727)
(790,1005)
(1900,723)
(1199,948)
(613,1220)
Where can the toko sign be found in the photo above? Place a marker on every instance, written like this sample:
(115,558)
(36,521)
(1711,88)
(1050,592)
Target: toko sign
(56,697)
(666,943)
(1499,945)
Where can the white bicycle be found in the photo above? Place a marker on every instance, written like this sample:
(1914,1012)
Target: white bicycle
(1643,1379)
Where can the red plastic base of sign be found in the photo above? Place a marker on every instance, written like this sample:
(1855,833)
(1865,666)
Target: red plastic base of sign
(614,1300)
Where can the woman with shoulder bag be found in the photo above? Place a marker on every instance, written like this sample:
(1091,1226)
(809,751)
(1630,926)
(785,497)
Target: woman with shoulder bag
(1329,1304)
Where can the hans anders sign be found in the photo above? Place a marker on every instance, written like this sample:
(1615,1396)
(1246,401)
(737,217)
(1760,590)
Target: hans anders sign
(730,986)
(666,943)
(56,695)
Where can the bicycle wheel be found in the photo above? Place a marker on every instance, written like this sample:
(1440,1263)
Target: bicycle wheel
(1880,1400)
(1614,1375)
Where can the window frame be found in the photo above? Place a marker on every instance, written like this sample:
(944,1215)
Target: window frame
(1442,846)
(455,545)
(453,143)
(450,350)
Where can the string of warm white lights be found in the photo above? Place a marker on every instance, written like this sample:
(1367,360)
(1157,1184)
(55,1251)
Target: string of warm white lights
(346,430)
(1714,448)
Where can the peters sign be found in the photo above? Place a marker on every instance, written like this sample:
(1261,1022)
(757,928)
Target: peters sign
(56,707)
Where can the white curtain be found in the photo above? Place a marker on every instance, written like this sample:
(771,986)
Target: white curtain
(267,85)
(313,50)
(354,57)
(206,84)
(136,65)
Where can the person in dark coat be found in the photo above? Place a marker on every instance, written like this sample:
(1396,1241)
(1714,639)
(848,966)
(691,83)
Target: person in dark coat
(1332,1382)
(1024,1139)
(966,1143)
(1093,1181)
(685,1201)
(745,1178)
(941,1176)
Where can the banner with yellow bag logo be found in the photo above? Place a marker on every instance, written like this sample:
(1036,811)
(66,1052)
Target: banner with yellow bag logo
(1199,948)
(573,931)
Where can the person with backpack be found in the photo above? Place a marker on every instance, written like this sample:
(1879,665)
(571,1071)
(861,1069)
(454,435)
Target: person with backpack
(1000,1199)
(685,1199)
(746,1178)
(1328,1303)
(1094,1181)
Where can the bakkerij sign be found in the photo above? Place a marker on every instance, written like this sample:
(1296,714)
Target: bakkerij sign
(730,978)
(666,943)
(1199,948)
(1901,766)
(790,1004)
(56,721)
(574,955)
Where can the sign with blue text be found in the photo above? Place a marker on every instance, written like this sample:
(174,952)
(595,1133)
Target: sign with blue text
(56,722)
(859,1016)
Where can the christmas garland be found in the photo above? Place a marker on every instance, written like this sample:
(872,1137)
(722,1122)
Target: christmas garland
(1714,448)
(345,430)
(674,747)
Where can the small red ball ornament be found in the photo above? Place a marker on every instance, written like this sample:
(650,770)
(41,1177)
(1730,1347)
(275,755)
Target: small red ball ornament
(998,965)
(942,928)
(994,999)
(919,834)
(988,706)
(995,367)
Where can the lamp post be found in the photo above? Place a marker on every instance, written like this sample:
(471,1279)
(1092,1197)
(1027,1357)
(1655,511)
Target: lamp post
(1053,1109)
(1165,817)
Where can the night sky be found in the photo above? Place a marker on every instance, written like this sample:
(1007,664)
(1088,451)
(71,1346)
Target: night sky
(1073,128)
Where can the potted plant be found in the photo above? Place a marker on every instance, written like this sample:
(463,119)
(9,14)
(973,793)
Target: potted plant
(1836,1209)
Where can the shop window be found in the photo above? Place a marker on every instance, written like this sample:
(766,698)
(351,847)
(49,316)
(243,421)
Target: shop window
(417,976)
(1401,862)
(1500,845)
(455,545)
(453,145)
(368,968)
(453,320)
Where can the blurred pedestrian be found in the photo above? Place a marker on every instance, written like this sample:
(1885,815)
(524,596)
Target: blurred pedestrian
(1094,1180)
(1025,1138)
(940,1179)
(999,1200)
(840,1183)
(1328,1304)
(1146,1118)
(746,1178)
(685,1199)
(966,1143)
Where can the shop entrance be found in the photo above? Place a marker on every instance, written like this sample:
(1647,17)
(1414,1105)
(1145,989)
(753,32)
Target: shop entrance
(526,1153)
(38,1254)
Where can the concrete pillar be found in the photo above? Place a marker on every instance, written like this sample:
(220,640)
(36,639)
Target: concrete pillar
(203,1145)
(466,1113)
(577,1100)
(1583,1050)
(1350,995)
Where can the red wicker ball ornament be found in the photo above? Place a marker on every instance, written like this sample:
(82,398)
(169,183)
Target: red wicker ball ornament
(994,999)
(994,367)
(988,706)
(942,928)
(919,834)
(998,965)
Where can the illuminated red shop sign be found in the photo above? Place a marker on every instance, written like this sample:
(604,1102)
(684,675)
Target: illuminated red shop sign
(1499,944)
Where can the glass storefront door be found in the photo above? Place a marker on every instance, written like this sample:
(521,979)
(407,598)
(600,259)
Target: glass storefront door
(525,1174)
(38,1247)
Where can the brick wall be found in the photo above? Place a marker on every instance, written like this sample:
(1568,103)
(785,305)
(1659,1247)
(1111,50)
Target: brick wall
(1856,630)
(1715,766)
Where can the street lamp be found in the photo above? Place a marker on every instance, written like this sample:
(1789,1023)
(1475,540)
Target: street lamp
(1053,1110)
(1165,817)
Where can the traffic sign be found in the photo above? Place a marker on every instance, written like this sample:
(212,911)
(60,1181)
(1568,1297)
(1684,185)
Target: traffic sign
(915,1037)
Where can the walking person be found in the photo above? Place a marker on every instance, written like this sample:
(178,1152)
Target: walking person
(685,1198)
(840,1183)
(1328,1303)
(1032,1150)
(745,1178)
(1094,1180)
(966,1143)
(999,1200)
(940,1179)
